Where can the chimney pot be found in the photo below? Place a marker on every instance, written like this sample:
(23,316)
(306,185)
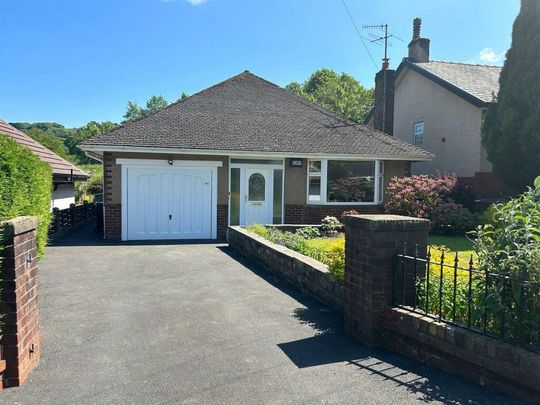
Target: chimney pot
(417,25)
(419,47)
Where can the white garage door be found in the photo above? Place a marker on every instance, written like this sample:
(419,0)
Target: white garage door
(169,202)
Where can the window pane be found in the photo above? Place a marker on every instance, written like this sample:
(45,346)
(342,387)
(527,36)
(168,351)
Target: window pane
(256,187)
(419,128)
(350,181)
(235,196)
(278,194)
(314,189)
(419,140)
(315,166)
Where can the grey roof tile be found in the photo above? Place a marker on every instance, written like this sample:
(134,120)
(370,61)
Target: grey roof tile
(249,114)
(480,81)
(58,165)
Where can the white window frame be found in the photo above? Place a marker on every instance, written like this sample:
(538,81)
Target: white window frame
(416,134)
(379,164)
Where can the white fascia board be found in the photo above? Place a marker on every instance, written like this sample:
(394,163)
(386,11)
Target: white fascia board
(164,162)
(251,154)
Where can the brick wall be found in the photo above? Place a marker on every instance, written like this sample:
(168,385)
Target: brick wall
(484,360)
(20,330)
(222,220)
(371,242)
(313,214)
(113,221)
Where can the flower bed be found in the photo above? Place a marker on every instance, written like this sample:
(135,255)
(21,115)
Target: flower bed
(308,241)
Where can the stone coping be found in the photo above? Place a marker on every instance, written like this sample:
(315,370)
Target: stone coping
(19,225)
(387,222)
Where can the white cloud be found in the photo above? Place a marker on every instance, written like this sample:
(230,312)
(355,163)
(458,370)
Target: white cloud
(488,55)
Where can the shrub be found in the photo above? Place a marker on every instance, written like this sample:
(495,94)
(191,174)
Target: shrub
(458,221)
(510,248)
(347,213)
(463,194)
(258,229)
(330,251)
(309,232)
(85,190)
(26,184)
(330,226)
(487,217)
(430,198)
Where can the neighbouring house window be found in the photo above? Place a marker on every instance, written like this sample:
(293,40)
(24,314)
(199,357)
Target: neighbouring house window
(418,134)
(350,181)
(278,196)
(235,196)
(314,180)
(345,182)
(256,187)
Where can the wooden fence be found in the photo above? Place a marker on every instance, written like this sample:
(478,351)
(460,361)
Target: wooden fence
(69,217)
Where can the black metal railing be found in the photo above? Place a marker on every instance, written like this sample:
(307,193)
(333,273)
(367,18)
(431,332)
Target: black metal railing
(487,301)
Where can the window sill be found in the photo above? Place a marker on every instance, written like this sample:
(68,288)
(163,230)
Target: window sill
(315,203)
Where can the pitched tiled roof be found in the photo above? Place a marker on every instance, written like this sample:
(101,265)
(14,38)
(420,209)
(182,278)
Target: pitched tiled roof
(59,166)
(249,114)
(478,83)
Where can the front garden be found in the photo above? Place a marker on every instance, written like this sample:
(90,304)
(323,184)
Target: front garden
(484,276)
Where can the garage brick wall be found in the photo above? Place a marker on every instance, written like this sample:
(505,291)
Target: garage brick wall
(112,187)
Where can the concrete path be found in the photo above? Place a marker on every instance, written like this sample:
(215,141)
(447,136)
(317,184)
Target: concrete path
(193,323)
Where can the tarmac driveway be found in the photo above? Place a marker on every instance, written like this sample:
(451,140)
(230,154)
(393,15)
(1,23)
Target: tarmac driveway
(193,323)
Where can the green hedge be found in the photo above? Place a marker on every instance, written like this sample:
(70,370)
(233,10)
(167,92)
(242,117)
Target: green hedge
(25,187)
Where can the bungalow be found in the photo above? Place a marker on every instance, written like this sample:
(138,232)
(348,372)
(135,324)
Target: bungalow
(242,151)
(64,173)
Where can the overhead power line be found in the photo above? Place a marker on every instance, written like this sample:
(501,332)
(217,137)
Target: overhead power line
(358,33)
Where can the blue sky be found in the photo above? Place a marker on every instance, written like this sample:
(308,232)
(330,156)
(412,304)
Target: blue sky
(73,61)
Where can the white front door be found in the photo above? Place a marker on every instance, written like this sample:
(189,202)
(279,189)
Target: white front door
(169,202)
(257,205)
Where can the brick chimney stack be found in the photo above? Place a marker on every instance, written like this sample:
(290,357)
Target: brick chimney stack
(419,47)
(383,110)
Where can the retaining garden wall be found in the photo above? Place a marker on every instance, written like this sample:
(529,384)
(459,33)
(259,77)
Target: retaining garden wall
(308,275)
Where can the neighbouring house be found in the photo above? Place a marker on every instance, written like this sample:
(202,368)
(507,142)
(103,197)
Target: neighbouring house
(440,106)
(64,173)
(242,151)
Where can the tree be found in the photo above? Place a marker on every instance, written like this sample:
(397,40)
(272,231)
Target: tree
(183,96)
(52,128)
(81,134)
(511,130)
(153,104)
(50,141)
(341,93)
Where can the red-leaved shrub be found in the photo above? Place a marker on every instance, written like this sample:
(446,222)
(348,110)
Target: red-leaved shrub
(422,197)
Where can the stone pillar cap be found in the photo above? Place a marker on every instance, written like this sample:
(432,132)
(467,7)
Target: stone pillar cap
(387,222)
(19,225)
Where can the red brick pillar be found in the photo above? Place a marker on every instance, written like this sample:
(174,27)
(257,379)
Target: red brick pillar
(20,329)
(370,244)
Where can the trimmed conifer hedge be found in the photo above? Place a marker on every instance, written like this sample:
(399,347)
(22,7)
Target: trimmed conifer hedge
(25,187)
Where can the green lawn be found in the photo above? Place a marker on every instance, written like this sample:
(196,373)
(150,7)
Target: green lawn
(460,244)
